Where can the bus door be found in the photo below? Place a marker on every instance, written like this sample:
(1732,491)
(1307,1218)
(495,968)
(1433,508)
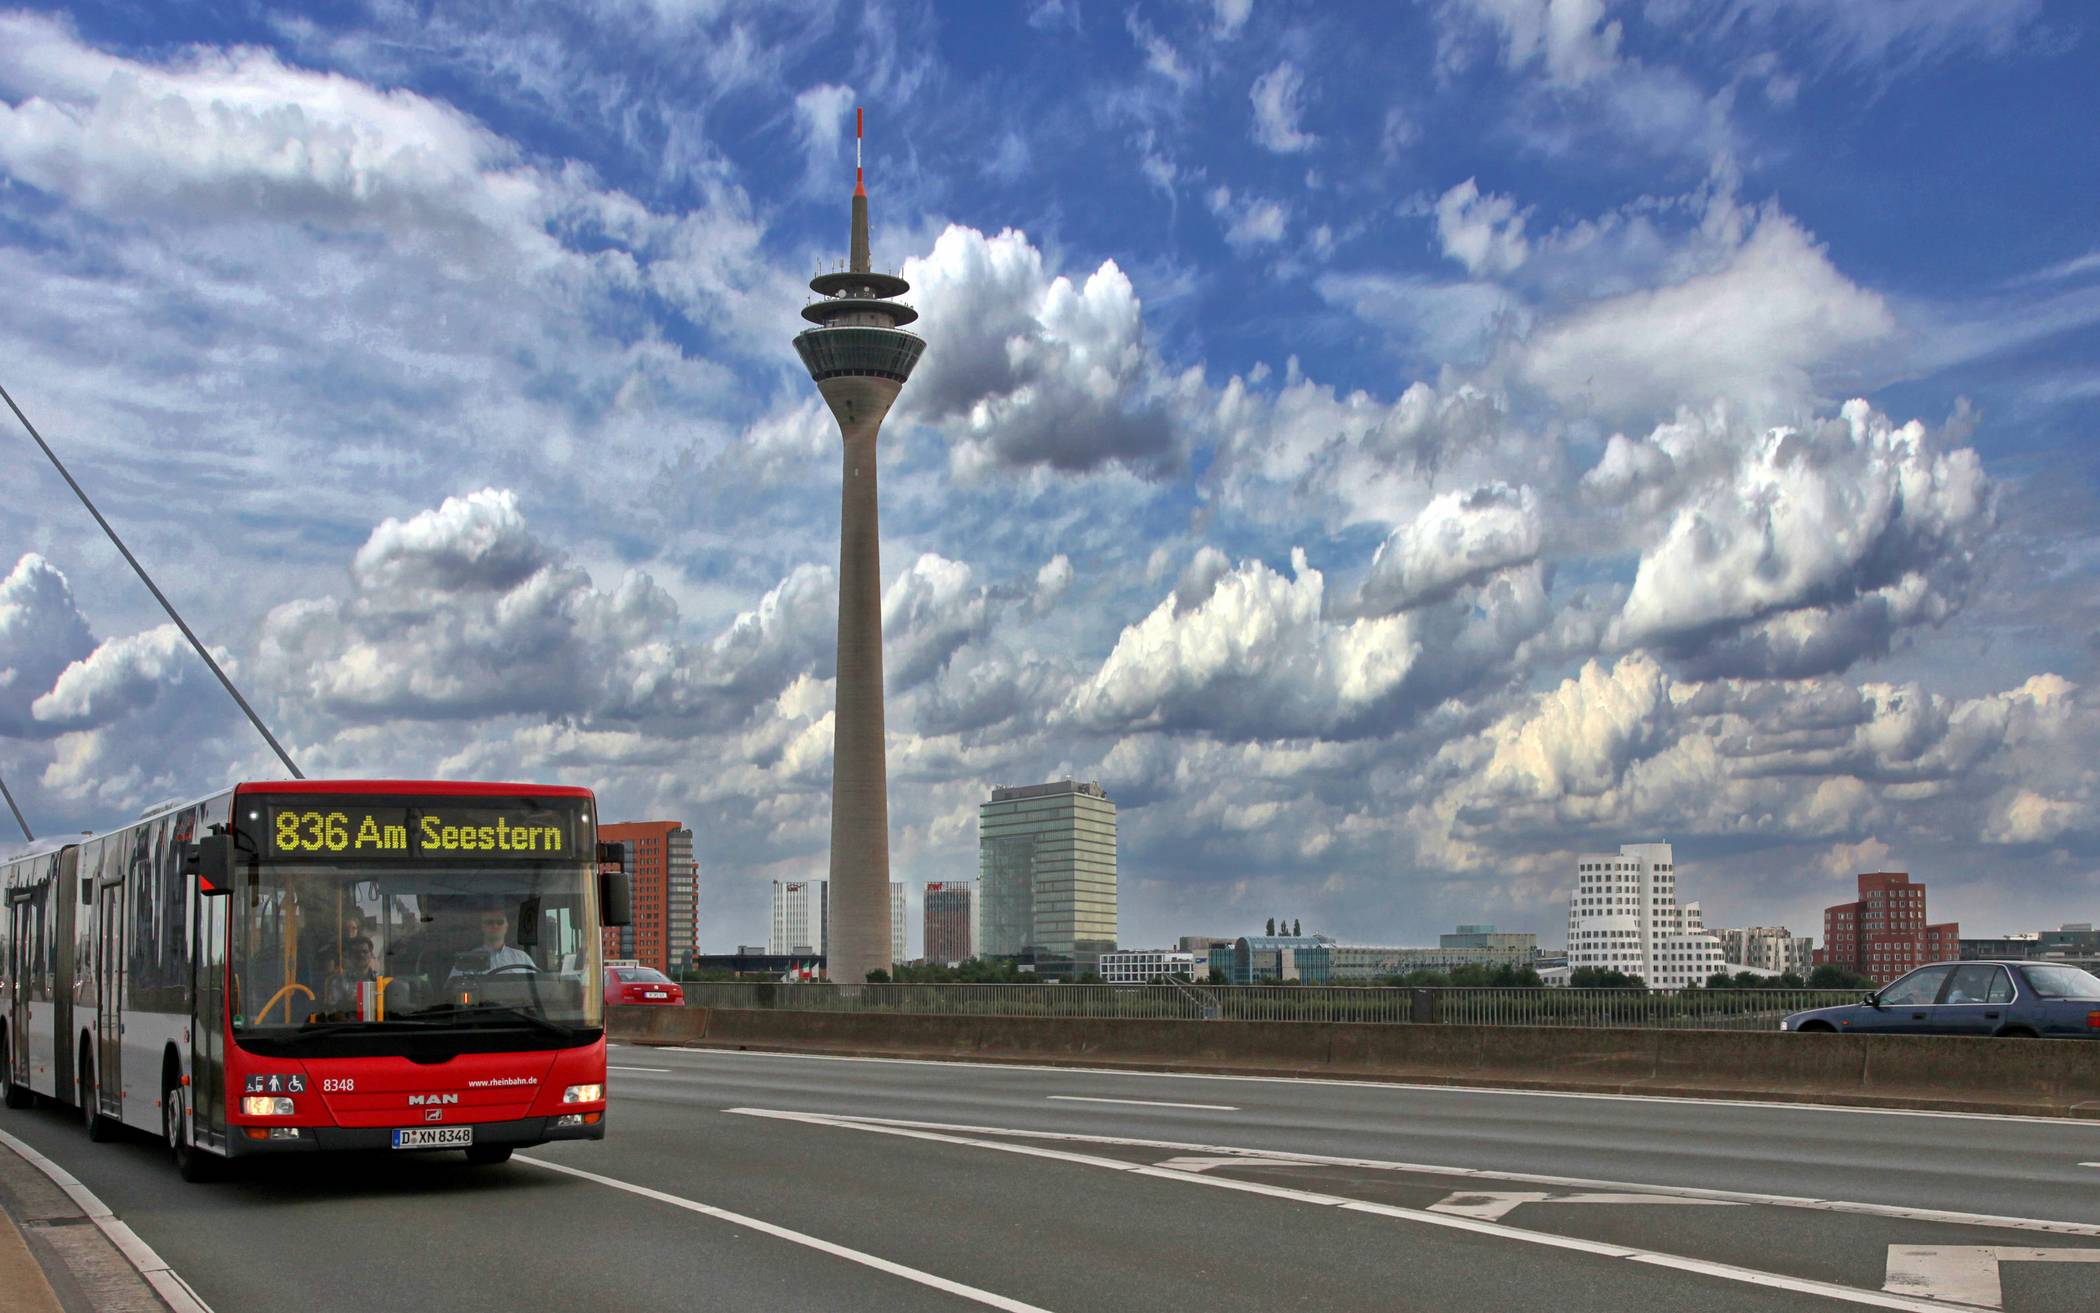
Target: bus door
(109,987)
(65,901)
(208,1050)
(17,912)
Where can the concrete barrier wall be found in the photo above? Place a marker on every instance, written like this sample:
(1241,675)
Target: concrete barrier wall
(2060,1078)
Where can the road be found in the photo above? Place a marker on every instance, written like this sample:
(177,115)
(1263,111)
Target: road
(773,1182)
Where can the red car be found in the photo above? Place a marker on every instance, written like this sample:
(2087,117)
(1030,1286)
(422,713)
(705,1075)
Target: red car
(633,983)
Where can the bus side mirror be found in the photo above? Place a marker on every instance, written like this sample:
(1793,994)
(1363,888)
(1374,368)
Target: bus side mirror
(615,898)
(210,859)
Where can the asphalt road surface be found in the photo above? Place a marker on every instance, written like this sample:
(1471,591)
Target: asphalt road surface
(770,1182)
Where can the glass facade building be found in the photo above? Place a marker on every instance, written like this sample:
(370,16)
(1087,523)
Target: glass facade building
(1046,868)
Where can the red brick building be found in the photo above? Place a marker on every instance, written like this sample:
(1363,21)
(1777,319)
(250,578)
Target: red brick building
(1885,933)
(665,884)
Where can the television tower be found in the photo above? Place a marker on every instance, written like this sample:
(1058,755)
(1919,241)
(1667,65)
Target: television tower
(859,356)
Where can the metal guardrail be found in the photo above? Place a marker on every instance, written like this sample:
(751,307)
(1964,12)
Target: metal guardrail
(1684,1009)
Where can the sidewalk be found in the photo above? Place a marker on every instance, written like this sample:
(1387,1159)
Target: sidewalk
(53,1258)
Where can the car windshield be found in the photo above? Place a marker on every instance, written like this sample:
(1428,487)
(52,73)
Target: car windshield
(2062,982)
(640,976)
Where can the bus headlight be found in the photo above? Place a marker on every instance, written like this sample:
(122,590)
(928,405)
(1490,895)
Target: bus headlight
(583,1094)
(265,1105)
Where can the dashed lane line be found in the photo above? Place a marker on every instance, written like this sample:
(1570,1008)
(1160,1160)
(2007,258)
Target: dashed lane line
(987,1298)
(1142,1103)
(1625,1253)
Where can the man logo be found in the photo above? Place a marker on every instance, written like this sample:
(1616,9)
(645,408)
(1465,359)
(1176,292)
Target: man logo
(434,1115)
(429,1100)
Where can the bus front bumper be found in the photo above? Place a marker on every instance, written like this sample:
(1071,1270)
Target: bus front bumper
(520,1134)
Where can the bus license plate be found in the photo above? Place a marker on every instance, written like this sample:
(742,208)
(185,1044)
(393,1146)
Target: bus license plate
(434,1137)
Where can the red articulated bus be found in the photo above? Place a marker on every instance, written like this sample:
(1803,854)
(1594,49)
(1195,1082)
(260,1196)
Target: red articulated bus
(310,965)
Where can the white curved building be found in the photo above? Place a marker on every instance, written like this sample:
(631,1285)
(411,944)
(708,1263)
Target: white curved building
(1624,916)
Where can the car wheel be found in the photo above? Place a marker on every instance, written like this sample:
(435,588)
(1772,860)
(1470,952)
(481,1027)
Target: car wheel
(1817,1028)
(2017,1034)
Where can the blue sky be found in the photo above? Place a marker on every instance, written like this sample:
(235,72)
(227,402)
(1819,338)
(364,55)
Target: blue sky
(1394,448)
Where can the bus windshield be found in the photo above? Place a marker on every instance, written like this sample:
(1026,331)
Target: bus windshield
(440,924)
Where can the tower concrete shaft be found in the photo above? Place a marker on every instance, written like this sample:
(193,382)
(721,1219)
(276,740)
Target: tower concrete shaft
(859,356)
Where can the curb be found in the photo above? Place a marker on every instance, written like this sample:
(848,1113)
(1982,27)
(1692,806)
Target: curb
(154,1270)
(2089,1111)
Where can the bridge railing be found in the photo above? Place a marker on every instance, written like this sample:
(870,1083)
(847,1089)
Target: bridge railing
(1684,1009)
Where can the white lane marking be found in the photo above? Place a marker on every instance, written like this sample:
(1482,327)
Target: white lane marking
(1678,1262)
(943,1284)
(2062,1123)
(1145,1103)
(1966,1273)
(1486,1174)
(166,1282)
(1198,1163)
(661,1071)
(1495,1204)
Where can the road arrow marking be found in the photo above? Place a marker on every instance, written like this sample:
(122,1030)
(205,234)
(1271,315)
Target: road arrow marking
(1966,1274)
(1493,1204)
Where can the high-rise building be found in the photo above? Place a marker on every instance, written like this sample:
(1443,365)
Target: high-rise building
(897,923)
(658,859)
(1624,916)
(859,356)
(1046,872)
(1884,933)
(1767,948)
(949,911)
(801,919)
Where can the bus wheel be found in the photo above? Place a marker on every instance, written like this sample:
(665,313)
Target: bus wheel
(100,1129)
(12,1093)
(488,1155)
(191,1163)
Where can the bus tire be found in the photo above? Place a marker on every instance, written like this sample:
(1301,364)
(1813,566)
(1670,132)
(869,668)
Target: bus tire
(488,1155)
(13,1094)
(100,1129)
(191,1163)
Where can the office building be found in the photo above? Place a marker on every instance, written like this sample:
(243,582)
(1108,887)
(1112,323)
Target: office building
(2075,943)
(859,356)
(1885,932)
(1624,916)
(897,953)
(1200,944)
(949,912)
(664,883)
(1265,959)
(1046,875)
(801,919)
(1771,948)
(1138,966)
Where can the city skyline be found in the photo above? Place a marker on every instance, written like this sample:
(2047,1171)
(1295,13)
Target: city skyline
(1395,449)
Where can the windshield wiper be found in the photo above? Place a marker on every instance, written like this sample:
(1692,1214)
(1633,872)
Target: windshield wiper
(338,1027)
(504,1012)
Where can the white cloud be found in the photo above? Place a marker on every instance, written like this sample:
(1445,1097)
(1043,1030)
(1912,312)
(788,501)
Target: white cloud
(1160,55)
(1755,331)
(1579,738)
(928,612)
(1254,221)
(1230,16)
(1569,37)
(1483,233)
(1276,95)
(1255,660)
(821,114)
(1459,538)
(121,676)
(1038,371)
(41,634)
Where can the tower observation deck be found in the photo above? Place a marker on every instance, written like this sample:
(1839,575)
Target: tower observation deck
(859,356)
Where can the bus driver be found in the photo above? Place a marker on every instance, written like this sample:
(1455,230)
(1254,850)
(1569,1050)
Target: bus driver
(492,954)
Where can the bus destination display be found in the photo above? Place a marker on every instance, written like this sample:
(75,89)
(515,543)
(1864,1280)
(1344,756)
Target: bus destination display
(437,832)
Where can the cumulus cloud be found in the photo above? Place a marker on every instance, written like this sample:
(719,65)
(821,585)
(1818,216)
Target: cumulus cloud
(1250,221)
(1276,95)
(1459,538)
(1815,547)
(121,676)
(932,609)
(1256,660)
(1579,738)
(1040,372)
(1483,233)
(41,634)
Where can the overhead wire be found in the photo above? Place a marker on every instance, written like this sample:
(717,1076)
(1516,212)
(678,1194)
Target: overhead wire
(158,596)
